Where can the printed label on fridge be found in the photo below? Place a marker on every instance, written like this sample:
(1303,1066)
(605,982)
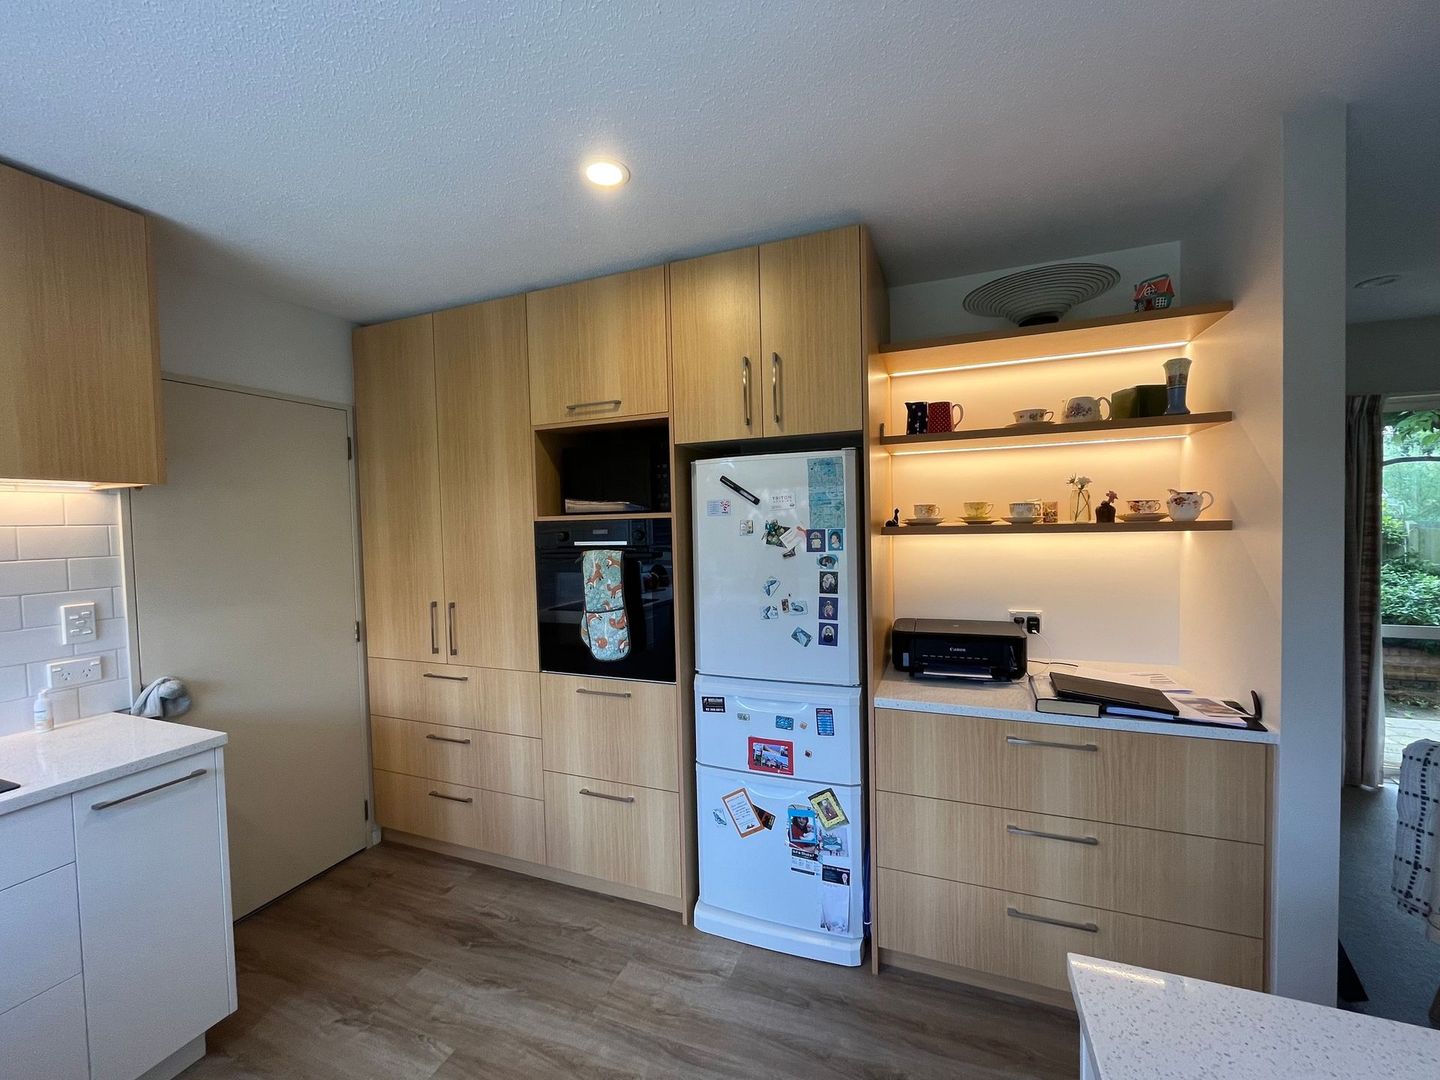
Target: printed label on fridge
(776,567)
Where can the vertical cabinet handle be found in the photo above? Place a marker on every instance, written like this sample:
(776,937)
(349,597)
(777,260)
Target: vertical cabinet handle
(434,628)
(450,628)
(745,388)
(775,384)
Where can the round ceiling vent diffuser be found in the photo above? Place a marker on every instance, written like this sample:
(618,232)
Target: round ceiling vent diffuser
(1043,294)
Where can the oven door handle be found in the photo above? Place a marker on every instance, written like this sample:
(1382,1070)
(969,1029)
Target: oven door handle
(600,543)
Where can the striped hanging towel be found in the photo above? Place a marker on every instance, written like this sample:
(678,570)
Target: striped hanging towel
(1417,849)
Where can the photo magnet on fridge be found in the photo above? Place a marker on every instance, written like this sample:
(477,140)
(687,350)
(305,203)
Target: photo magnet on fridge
(828,809)
(742,812)
(827,562)
(798,607)
(830,608)
(771,584)
(772,756)
(770,611)
(717,507)
(785,723)
(829,634)
(767,819)
(815,540)
(747,527)
(837,539)
(801,635)
(829,582)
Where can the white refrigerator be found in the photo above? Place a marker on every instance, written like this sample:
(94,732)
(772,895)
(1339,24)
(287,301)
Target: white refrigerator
(778,703)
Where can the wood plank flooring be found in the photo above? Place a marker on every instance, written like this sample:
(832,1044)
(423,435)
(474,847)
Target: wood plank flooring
(399,963)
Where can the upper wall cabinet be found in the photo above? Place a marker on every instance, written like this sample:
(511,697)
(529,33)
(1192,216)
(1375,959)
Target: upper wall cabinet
(79,356)
(597,349)
(770,341)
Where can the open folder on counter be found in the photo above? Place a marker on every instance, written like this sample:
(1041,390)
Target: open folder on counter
(1136,696)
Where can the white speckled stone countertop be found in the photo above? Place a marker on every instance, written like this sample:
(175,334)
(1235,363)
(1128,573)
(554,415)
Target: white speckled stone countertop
(1015,701)
(1147,1025)
(87,752)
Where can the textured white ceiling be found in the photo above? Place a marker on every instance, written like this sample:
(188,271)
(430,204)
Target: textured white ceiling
(381,157)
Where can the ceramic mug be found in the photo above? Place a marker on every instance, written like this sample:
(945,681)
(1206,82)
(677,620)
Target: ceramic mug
(1080,409)
(944,415)
(978,509)
(1188,505)
(926,510)
(917,417)
(1034,416)
(1144,506)
(1025,511)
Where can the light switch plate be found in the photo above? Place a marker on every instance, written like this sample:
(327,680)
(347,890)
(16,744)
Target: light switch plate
(77,623)
(64,673)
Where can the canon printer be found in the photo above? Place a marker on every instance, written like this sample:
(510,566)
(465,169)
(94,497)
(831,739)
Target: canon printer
(959,649)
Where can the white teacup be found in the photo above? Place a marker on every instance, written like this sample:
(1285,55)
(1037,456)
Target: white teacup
(1077,410)
(1188,505)
(1144,506)
(1033,416)
(1025,511)
(926,510)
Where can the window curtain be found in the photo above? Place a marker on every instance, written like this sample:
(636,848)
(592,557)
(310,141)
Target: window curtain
(1364,669)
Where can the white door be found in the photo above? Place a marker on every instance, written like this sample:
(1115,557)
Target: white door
(246,589)
(777,561)
(155,939)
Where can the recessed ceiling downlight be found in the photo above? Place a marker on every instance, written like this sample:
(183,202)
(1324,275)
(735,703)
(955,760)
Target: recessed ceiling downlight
(606,172)
(1377,282)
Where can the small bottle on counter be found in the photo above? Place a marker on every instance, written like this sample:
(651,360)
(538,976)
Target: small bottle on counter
(44,714)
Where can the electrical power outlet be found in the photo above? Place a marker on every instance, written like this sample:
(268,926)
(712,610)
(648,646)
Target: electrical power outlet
(1028,619)
(74,672)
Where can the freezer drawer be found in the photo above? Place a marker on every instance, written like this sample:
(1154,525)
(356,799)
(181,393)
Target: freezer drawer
(796,876)
(779,729)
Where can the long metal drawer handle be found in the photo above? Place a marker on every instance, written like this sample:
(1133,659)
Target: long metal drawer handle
(745,387)
(450,628)
(602,795)
(451,798)
(434,629)
(591,404)
(148,791)
(446,738)
(604,693)
(447,678)
(1088,927)
(1016,830)
(1015,740)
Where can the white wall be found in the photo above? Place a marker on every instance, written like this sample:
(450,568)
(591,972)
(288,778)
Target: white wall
(935,308)
(214,330)
(1401,356)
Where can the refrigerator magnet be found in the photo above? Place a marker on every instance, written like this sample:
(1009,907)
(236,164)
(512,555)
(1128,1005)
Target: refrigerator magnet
(742,812)
(784,499)
(802,830)
(815,540)
(769,611)
(827,808)
(772,756)
(717,507)
(719,818)
(836,539)
(774,533)
(798,607)
(747,527)
(829,582)
(771,584)
(712,703)
(785,723)
(801,635)
(767,819)
(825,722)
(829,634)
(830,608)
(827,562)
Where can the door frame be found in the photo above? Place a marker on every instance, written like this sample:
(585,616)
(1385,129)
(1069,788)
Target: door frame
(132,619)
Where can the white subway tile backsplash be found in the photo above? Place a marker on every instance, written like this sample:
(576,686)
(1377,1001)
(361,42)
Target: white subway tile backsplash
(112,634)
(104,697)
(45,575)
(97,573)
(43,609)
(15,716)
(62,541)
(32,508)
(23,646)
(9,613)
(7,542)
(92,508)
(12,682)
(116,546)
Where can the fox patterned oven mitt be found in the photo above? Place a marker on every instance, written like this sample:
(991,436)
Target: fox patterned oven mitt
(603,625)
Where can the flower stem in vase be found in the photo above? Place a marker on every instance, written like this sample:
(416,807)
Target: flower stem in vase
(1080,506)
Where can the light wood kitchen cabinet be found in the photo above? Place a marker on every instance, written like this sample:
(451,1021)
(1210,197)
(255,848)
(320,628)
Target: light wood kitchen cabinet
(625,834)
(79,354)
(611,729)
(715,347)
(487,485)
(597,349)
(490,699)
(399,471)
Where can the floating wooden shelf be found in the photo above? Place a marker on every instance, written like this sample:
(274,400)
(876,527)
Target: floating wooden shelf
(1005,528)
(642,515)
(1134,331)
(1017,436)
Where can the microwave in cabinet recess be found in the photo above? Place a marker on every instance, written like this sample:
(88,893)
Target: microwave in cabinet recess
(648,574)
(959,649)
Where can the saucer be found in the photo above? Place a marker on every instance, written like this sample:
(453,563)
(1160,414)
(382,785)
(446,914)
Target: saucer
(1142,517)
(1031,423)
(1023,521)
(978,520)
(924,521)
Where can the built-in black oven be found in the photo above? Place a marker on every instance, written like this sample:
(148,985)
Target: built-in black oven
(648,576)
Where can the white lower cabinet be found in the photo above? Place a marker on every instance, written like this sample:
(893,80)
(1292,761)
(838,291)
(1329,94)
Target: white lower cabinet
(44,1039)
(156,945)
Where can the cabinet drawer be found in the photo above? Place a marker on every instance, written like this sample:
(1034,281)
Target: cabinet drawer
(629,835)
(34,840)
(468,816)
(44,1039)
(484,759)
(611,730)
(1196,880)
(490,699)
(39,935)
(1001,933)
(1205,787)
